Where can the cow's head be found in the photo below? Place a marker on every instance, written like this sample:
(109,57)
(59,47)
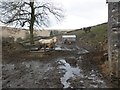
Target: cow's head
(55,39)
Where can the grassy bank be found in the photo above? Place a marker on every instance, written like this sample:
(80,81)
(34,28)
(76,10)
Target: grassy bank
(96,38)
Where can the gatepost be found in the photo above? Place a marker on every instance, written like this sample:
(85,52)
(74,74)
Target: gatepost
(114,37)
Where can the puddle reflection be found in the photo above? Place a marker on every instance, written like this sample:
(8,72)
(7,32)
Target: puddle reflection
(69,72)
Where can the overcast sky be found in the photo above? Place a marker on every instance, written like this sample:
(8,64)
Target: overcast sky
(82,13)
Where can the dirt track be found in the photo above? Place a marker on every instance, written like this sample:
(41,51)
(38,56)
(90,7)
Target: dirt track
(65,68)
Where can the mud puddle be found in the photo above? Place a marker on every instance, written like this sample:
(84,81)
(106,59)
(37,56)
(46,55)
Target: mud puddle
(71,48)
(59,48)
(69,72)
(74,76)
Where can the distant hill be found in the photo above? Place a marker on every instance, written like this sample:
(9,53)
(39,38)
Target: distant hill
(96,38)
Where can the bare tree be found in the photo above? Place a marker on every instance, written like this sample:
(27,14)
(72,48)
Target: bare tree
(29,13)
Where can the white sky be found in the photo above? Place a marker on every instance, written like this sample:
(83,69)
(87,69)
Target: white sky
(82,13)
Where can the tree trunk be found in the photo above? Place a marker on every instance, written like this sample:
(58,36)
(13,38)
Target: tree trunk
(32,20)
(31,36)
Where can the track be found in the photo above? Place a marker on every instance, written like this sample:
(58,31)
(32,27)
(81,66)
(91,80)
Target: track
(62,68)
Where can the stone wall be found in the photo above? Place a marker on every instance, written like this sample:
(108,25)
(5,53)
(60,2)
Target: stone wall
(114,37)
(20,33)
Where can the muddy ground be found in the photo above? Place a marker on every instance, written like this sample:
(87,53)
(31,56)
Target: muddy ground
(69,66)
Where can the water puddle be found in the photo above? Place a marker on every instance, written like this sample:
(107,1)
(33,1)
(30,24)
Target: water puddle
(62,49)
(69,72)
(75,75)
(82,51)
(59,48)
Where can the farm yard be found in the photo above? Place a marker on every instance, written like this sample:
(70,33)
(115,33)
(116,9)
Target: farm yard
(68,66)
(55,69)
(82,51)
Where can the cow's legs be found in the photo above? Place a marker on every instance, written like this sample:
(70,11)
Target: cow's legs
(44,47)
